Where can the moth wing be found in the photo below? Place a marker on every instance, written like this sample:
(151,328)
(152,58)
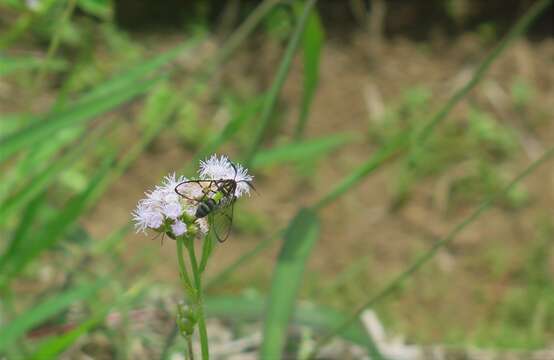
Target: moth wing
(222,221)
(196,189)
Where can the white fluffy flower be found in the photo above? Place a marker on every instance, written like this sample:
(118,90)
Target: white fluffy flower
(161,205)
(146,217)
(179,228)
(172,210)
(169,183)
(218,168)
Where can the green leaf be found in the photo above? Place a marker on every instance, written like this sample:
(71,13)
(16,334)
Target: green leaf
(312,41)
(51,348)
(375,161)
(136,74)
(9,65)
(52,231)
(300,238)
(42,128)
(302,150)
(232,127)
(32,185)
(100,8)
(107,245)
(103,98)
(23,229)
(41,155)
(318,317)
(270,100)
(38,314)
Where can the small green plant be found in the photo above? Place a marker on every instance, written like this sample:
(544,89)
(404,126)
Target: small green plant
(194,210)
(522,93)
(480,143)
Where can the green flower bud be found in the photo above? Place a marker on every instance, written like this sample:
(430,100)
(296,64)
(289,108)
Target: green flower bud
(186,319)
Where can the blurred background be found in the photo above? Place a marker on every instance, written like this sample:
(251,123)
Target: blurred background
(100,99)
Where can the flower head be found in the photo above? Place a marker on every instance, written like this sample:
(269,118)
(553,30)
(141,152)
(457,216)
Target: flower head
(179,228)
(218,168)
(163,210)
(171,207)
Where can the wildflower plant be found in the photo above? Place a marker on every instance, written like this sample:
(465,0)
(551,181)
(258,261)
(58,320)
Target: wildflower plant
(186,210)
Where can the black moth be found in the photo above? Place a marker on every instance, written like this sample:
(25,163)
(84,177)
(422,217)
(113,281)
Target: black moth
(220,211)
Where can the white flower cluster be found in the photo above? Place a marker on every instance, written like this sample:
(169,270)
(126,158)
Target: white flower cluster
(163,210)
(217,168)
(162,206)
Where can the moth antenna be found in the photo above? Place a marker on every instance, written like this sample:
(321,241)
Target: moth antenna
(157,236)
(234,168)
(249,185)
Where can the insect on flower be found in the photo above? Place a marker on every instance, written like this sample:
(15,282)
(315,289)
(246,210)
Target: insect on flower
(215,196)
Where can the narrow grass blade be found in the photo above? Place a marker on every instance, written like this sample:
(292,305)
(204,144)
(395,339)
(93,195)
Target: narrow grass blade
(312,42)
(139,72)
(379,157)
(430,254)
(22,231)
(516,31)
(54,229)
(104,97)
(33,317)
(243,259)
(303,150)
(37,183)
(10,65)
(299,240)
(279,81)
(230,130)
(11,123)
(42,128)
(41,155)
(100,8)
(51,348)
(108,245)
(56,38)
(226,134)
(318,317)
(240,35)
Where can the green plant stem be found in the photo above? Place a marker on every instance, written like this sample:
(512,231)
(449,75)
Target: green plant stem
(199,301)
(386,152)
(427,256)
(242,32)
(277,85)
(20,26)
(55,42)
(207,248)
(183,273)
(189,348)
(517,30)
